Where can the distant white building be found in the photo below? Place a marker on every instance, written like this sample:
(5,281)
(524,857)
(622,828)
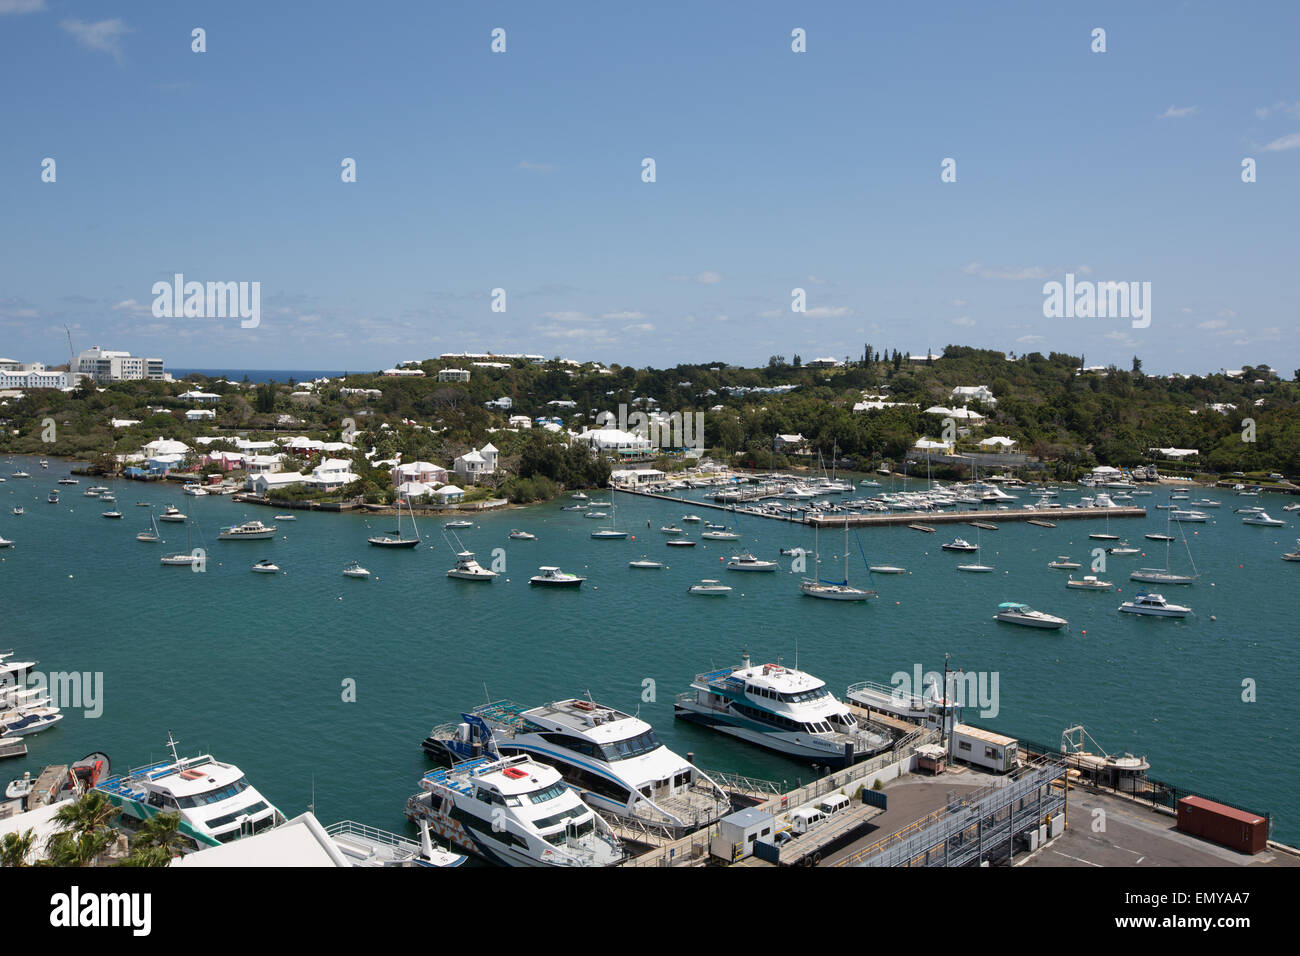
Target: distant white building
(791,443)
(636,476)
(477,463)
(1000,442)
(520,421)
(1179,453)
(453,375)
(822,363)
(613,440)
(165,446)
(199,414)
(369,394)
(105,365)
(425,472)
(973,393)
(199,398)
(42,377)
(503,404)
(404,372)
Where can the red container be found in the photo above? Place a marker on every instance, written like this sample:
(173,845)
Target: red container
(1226,826)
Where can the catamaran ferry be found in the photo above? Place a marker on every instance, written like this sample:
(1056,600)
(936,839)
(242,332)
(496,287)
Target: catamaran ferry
(216,802)
(615,761)
(515,812)
(779,708)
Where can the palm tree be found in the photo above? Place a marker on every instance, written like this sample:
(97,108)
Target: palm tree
(85,831)
(157,841)
(89,814)
(16,847)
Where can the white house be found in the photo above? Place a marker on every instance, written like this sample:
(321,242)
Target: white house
(614,440)
(973,393)
(520,421)
(453,375)
(999,443)
(927,444)
(200,414)
(636,476)
(199,398)
(475,463)
(425,472)
(267,483)
(1175,452)
(503,404)
(822,363)
(449,493)
(790,443)
(332,474)
(165,446)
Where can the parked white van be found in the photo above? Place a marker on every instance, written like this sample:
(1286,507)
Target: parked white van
(833,804)
(804,819)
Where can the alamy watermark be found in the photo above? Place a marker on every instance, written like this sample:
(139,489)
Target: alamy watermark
(66,690)
(213,300)
(964,688)
(1098,300)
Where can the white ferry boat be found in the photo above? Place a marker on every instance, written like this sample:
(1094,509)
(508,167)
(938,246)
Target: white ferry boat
(513,811)
(779,708)
(216,802)
(615,761)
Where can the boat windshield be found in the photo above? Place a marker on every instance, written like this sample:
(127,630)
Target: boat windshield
(637,746)
(550,793)
(213,796)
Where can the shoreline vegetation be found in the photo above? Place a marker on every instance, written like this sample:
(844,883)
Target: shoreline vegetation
(1063,417)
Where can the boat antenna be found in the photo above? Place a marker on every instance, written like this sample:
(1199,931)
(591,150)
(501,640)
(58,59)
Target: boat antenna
(171,743)
(486,698)
(311,807)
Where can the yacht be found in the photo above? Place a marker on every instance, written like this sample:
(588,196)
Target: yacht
(645,564)
(459,523)
(611,533)
(53,497)
(1263,519)
(5,542)
(18,512)
(1123,548)
(779,708)
(513,811)
(286,517)
(467,569)
(522,536)
(1089,582)
(614,760)
(151,535)
(1064,563)
(819,587)
(1160,537)
(671,529)
(1182,514)
(215,801)
(680,543)
(887,569)
(171,513)
(708,586)
(578,496)
(248,531)
(266,566)
(111,514)
(355,570)
(1208,503)
(19,474)
(959,544)
(195,489)
(1154,605)
(691,519)
(1010,612)
(747,562)
(68,481)
(1293,555)
(555,578)
(720,535)
(190,557)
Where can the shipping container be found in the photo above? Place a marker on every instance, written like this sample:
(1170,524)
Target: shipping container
(1227,826)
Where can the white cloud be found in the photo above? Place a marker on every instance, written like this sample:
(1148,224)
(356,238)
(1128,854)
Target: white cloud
(965,321)
(639,327)
(985,272)
(1213,324)
(1123,338)
(625,316)
(21,6)
(813,280)
(772,314)
(566,316)
(1030,339)
(1226,314)
(959,303)
(828,312)
(1290,141)
(103,35)
(1290,109)
(1179,112)
(535,167)
(708,278)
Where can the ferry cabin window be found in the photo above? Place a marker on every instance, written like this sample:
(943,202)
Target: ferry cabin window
(550,793)
(601,786)
(214,796)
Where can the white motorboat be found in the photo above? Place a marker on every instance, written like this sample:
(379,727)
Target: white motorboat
(959,544)
(680,543)
(692,519)
(68,481)
(18,512)
(467,569)
(1181,514)
(266,566)
(5,543)
(516,535)
(1154,605)
(1011,612)
(248,531)
(833,590)
(355,570)
(578,496)
(171,513)
(1293,555)
(1064,563)
(368,846)
(196,490)
(555,578)
(747,562)
(1263,520)
(976,568)
(886,569)
(671,529)
(19,788)
(111,514)
(645,564)
(459,523)
(710,587)
(1089,582)
(1295,507)
(720,536)
(286,518)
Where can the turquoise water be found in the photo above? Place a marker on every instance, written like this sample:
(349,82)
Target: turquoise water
(251,667)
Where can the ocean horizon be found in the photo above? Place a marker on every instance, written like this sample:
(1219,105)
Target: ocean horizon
(260,376)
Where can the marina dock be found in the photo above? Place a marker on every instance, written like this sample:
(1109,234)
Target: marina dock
(894,518)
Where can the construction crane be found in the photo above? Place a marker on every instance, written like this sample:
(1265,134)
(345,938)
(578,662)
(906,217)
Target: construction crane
(72,358)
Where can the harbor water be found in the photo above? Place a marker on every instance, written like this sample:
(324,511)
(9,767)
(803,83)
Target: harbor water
(321,687)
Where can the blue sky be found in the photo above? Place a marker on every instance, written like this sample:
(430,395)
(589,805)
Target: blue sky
(775,170)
